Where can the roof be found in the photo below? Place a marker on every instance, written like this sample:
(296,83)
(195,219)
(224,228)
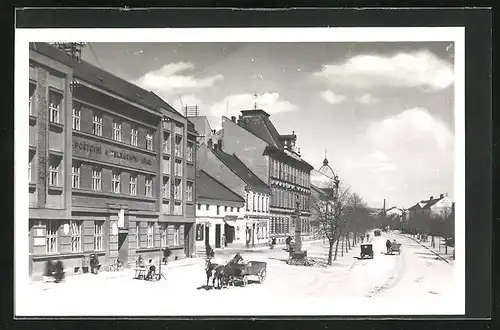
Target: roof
(257,122)
(104,79)
(270,150)
(208,187)
(430,202)
(242,171)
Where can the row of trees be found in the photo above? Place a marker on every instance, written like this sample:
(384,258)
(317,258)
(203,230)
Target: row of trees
(339,215)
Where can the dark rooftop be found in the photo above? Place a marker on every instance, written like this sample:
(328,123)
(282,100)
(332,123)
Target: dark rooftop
(104,79)
(242,171)
(208,187)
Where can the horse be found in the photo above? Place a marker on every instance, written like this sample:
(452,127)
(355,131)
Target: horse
(209,270)
(229,271)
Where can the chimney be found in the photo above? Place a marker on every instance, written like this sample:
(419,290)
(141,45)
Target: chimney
(431,197)
(209,143)
(213,131)
(233,119)
(441,196)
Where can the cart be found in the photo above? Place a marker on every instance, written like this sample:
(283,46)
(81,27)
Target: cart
(366,251)
(396,247)
(252,268)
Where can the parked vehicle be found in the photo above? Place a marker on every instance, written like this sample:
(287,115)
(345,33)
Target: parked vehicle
(366,251)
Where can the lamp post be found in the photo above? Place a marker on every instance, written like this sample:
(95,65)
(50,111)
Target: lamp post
(298,228)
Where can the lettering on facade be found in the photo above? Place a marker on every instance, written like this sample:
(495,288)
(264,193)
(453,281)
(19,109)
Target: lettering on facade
(109,152)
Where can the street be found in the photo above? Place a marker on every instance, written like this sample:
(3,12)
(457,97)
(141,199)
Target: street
(415,278)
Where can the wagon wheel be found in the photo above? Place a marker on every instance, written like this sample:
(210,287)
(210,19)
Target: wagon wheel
(262,275)
(245,280)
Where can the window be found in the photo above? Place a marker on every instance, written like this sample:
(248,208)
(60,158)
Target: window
(252,202)
(137,234)
(53,172)
(117,130)
(178,168)
(232,209)
(199,206)
(149,187)
(166,187)
(177,208)
(166,143)
(54,106)
(218,209)
(97,125)
(178,146)
(96,179)
(115,183)
(151,234)
(189,152)
(133,136)
(32,92)
(178,189)
(51,236)
(225,208)
(238,209)
(133,185)
(76,117)
(149,141)
(189,191)
(164,234)
(177,234)
(207,207)
(200,231)
(75,176)
(179,129)
(98,245)
(76,236)
(29,169)
(248,202)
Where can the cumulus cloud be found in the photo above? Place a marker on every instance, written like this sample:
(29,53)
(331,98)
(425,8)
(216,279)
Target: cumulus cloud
(417,69)
(170,77)
(269,102)
(367,99)
(332,98)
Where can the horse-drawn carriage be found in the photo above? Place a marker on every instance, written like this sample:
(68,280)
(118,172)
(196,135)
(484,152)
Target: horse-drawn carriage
(395,247)
(236,271)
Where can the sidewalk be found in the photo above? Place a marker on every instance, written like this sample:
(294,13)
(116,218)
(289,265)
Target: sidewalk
(438,250)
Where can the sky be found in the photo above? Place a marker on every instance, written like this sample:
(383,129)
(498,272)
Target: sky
(382,112)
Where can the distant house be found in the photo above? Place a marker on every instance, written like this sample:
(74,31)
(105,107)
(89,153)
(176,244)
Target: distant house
(421,214)
(217,212)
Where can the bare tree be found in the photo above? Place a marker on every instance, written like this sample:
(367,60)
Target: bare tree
(335,212)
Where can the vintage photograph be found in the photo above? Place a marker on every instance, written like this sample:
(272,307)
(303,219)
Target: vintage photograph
(264,177)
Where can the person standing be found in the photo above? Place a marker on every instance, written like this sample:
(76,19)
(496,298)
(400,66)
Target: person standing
(388,246)
(223,241)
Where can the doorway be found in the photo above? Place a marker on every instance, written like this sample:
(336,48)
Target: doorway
(123,248)
(217,236)
(207,235)
(187,240)
(229,232)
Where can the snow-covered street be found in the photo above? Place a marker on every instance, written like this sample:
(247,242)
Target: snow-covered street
(396,282)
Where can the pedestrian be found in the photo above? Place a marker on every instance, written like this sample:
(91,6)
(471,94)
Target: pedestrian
(388,246)
(367,237)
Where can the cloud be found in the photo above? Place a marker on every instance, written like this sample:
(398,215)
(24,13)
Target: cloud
(367,99)
(332,98)
(375,161)
(417,69)
(233,104)
(169,78)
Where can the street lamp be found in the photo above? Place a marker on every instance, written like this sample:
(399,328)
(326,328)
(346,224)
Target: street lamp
(298,227)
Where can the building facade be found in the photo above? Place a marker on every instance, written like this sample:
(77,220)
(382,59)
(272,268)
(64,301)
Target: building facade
(425,215)
(218,212)
(101,178)
(276,160)
(234,174)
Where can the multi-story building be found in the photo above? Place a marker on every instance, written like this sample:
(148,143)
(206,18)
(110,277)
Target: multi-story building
(424,215)
(234,174)
(101,178)
(275,159)
(218,211)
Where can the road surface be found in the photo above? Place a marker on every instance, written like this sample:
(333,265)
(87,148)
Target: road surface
(413,282)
